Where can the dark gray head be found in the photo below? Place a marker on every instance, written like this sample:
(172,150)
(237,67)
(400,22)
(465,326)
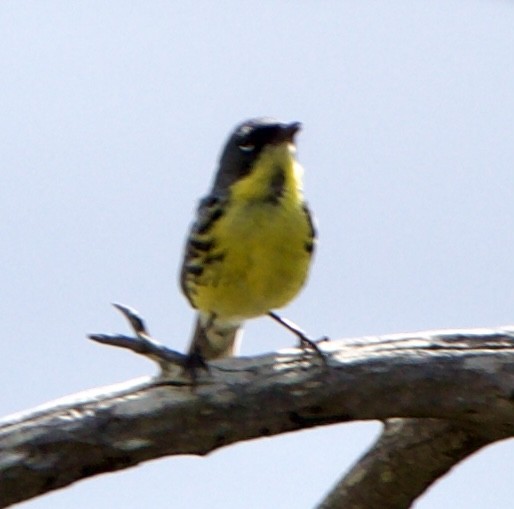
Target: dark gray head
(244,146)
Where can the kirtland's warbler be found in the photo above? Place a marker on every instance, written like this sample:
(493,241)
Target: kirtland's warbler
(251,245)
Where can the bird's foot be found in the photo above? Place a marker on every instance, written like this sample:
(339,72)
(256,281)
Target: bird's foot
(193,363)
(306,343)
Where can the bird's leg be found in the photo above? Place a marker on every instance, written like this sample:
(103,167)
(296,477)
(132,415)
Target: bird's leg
(194,362)
(195,357)
(305,341)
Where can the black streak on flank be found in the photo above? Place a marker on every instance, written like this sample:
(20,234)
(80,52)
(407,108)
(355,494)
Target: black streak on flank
(195,270)
(206,225)
(312,232)
(309,247)
(201,245)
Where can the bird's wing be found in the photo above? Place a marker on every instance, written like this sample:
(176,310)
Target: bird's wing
(199,243)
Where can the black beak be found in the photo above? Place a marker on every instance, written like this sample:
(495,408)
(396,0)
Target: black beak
(288,131)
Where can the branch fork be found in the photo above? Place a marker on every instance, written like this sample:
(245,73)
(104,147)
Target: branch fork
(442,395)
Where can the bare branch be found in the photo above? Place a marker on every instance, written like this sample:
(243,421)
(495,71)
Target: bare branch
(463,375)
(407,458)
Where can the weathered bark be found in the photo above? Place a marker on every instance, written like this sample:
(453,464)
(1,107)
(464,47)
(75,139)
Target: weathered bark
(408,457)
(466,376)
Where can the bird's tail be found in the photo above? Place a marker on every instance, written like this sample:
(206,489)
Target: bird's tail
(213,340)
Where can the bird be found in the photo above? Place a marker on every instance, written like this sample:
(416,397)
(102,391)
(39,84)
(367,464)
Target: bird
(250,247)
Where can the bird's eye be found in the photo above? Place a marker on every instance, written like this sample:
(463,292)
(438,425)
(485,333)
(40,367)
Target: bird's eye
(246,146)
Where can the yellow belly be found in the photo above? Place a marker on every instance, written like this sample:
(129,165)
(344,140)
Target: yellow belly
(265,260)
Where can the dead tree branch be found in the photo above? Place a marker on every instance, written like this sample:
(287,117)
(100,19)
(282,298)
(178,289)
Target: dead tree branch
(408,457)
(466,376)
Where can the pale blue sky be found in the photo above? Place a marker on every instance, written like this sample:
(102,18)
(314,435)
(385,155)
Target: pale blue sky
(112,118)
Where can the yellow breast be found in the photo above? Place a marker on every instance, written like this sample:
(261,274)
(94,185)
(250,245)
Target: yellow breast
(263,245)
